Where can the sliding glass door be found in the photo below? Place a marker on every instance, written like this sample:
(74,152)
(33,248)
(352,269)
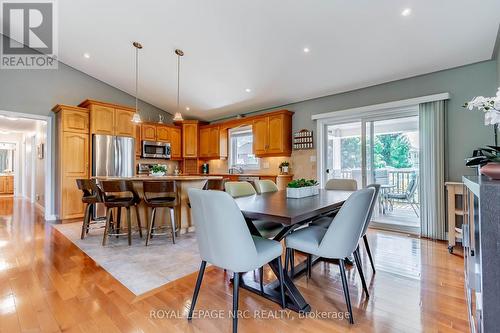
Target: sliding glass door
(382,150)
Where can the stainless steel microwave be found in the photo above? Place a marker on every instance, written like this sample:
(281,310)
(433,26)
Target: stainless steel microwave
(151,149)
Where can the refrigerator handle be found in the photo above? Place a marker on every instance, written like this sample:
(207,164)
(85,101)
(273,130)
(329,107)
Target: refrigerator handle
(117,156)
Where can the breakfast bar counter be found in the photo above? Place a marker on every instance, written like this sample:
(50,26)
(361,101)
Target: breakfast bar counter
(182,216)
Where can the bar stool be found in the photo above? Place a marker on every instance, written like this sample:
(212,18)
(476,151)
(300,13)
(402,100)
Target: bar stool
(120,194)
(91,196)
(160,194)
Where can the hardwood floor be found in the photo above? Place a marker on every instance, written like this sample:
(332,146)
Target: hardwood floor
(48,285)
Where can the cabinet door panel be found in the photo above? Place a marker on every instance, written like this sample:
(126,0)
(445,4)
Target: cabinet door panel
(260,133)
(204,142)
(190,140)
(275,144)
(75,121)
(75,154)
(162,134)
(213,147)
(9,186)
(123,123)
(3,185)
(138,142)
(148,132)
(103,120)
(175,143)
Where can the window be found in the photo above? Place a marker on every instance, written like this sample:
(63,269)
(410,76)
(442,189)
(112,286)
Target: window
(240,148)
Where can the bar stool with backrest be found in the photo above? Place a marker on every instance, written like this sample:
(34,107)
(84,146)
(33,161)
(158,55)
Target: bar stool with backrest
(225,241)
(160,194)
(91,196)
(120,194)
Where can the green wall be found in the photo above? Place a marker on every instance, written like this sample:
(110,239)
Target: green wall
(465,129)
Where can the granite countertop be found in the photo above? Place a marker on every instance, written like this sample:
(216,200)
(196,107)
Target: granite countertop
(243,174)
(168,177)
(474,183)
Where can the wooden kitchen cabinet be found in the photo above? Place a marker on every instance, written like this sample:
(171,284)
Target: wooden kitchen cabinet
(73,151)
(7,184)
(110,119)
(148,132)
(272,134)
(213,142)
(175,143)
(162,133)
(138,140)
(190,138)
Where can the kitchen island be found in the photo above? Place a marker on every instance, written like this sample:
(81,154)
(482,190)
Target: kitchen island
(182,215)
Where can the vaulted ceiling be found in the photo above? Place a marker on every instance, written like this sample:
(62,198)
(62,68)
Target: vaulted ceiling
(247,55)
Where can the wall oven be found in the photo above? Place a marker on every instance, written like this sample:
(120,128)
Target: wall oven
(151,149)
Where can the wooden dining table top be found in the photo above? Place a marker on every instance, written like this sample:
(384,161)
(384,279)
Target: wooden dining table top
(276,207)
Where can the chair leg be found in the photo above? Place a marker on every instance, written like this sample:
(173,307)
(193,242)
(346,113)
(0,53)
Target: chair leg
(309,265)
(412,204)
(118,220)
(85,225)
(261,279)
(150,226)
(129,225)
(287,259)
(346,290)
(172,221)
(138,220)
(367,246)
(197,289)
(236,291)
(107,226)
(281,278)
(357,258)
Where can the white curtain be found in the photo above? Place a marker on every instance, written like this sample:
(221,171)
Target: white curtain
(432,208)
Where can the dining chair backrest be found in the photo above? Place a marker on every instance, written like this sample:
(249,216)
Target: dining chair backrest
(342,236)
(372,206)
(239,189)
(341,184)
(224,239)
(265,185)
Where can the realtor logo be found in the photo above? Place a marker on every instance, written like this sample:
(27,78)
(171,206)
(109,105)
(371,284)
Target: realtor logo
(29,35)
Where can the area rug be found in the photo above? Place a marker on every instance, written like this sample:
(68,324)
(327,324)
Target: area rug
(139,268)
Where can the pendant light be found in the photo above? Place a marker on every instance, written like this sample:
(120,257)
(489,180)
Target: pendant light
(136,118)
(178,115)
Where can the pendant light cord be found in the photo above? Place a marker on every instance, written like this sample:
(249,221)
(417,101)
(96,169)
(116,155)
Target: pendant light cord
(136,78)
(178,80)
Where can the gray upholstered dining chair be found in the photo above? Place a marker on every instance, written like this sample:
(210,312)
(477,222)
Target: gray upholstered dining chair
(326,221)
(338,184)
(265,186)
(224,240)
(339,240)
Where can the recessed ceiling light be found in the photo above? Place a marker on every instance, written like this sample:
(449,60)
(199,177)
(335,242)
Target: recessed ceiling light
(406,12)
(86,55)
(188,108)
(248,90)
(306,50)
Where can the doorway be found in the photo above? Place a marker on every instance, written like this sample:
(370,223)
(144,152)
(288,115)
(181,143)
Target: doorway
(382,148)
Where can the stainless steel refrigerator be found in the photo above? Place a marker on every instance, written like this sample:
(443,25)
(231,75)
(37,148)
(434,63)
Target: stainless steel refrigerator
(112,156)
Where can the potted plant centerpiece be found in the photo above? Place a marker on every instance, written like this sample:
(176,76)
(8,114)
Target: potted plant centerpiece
(158,170)
(489,162)
(284,167)
(301,188)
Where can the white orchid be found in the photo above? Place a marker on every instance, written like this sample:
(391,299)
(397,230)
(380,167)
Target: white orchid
(489,105)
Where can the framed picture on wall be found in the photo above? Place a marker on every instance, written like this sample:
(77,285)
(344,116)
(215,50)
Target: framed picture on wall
(40,151)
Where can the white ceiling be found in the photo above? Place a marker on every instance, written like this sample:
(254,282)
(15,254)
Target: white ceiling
(231,45)
(14,124)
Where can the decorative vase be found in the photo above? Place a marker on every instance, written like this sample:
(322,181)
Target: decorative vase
(491,170)
(284,170)
(301,192)
(158,174)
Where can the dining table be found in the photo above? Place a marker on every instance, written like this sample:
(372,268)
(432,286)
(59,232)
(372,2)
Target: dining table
(291,213)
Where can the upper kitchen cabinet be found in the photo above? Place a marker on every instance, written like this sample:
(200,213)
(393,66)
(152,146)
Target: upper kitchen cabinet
(190,138)
(213,142)
(175,143)
(110,119)
(138,140)
(272,134)
(162,133)
(148,132)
